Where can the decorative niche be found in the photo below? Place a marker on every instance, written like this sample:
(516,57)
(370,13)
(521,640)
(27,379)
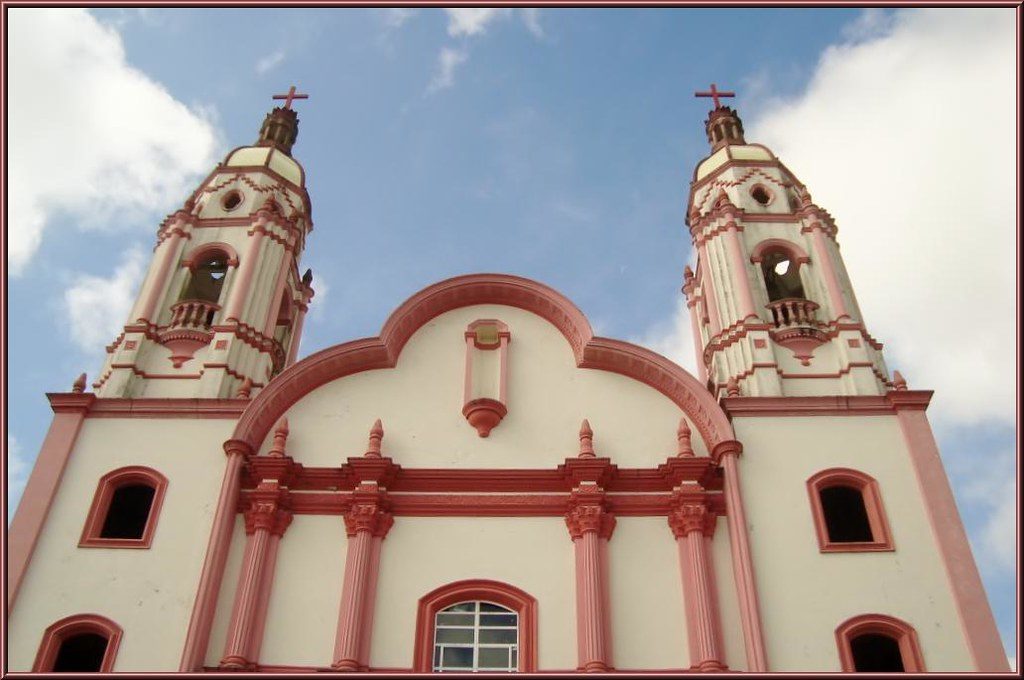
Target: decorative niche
(486,381)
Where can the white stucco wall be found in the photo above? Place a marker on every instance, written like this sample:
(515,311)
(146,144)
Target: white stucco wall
(420,554)
(149,593)
(805,594)
(420,402)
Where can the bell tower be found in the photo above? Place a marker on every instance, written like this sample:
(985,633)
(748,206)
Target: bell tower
(772,307)
(221,309)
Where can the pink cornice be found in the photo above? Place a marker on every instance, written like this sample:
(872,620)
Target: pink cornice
(792,249)
(197,254)
(462,291)
(865,405)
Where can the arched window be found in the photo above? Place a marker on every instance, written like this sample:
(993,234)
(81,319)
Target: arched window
(780,266)
(878,643)
(84,643)
(207,279)
(125,509)
(848,513)
(476,625)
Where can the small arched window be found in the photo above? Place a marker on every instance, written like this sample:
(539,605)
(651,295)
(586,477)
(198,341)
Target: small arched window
(207,278)
(84,643)
(848,513)
(476,625)
(125,509)
(780,267)
(878,643)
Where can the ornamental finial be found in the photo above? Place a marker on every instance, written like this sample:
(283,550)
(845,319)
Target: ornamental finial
(280,438)
(245,390)
(376,435)
(898,381)
(79,385)
(683,437)
(732,387)
(586,440)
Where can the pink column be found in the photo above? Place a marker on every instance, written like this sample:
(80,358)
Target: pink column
(247,268)
(198,635)
(263,520)
(698,342)
(590,527)
(300,318)
(69,411)
(690,523)
(828,271)
(265,588)
(742,563)
(708,290)
(979,626)
(160,280)
(739,277)
(361,523)
(279,287)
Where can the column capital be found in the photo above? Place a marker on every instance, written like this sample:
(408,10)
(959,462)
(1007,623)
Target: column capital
(689,517)
(587,512)
(268,509)
(237,447)
(368,517)
(726,448)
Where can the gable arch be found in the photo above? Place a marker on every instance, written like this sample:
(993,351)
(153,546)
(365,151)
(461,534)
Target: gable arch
(590,351)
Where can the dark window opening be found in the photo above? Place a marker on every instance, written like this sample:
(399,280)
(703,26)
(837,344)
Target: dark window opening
(873,652)
(761,195)
(231,200)
(781,277)
(81,653)
(128,512)
(207,280)
(846,518)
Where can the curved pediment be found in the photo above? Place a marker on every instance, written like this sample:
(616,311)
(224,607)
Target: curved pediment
(489,293)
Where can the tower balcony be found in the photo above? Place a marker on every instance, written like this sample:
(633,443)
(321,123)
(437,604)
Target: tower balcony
(796,326)
(189,329)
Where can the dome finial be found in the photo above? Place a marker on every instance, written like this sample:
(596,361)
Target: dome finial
(723,125)
(281,126)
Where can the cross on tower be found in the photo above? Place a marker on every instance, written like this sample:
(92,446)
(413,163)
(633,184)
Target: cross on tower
(714,94)
(288,98)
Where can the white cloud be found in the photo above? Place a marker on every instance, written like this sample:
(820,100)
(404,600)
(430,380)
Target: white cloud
(97,307)
(473,20)
(906,135)
(673,338)
(18,470)
(270,61)
(318,305)
(447,61)
(89,135)
(395,17)
(531,18)
(991,489)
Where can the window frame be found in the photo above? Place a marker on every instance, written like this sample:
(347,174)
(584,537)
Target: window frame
(870,495)
(880,624)
(70,626)
(496,592)
(108,484)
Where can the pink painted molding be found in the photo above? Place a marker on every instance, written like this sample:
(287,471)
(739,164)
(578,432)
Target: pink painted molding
(108,484)
(486,412)
(891,403)
(881,536)
(201,252)
(793,250)
(78,624)
(70,411)
(880,624)
(382,352)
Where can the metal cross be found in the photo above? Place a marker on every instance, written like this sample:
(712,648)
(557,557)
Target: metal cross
(288,98)
(714,94)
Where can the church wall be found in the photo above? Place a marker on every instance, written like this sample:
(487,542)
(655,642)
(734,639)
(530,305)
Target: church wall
(148,592)
(647,608)
(226,596)
(728,599)
(423,553)
(420,402)
(806,594)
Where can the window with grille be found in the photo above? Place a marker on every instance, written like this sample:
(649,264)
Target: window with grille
(476,636)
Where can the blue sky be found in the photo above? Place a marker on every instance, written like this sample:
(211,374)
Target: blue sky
(556,144)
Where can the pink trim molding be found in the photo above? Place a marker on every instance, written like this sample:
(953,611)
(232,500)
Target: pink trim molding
(880,624)
(872,497)
(69,412)
(793,250)
(200,252)
(590,526)
(68,627)
(497,592)
(108,484)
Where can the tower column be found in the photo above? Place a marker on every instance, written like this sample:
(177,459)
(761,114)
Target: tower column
(247,269)
(366,524)
(708,289)
(828,271)
(590,527)
(740,280)
(690,522)
(170,252)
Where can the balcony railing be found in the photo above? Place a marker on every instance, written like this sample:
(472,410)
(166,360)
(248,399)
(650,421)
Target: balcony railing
(790,312)
(193,314)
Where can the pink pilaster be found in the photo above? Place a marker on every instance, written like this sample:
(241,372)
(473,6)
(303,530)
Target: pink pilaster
(828,271)
(167,257)
(742,562)
(69,411)
(708,290)
(274,306)
(690,523)
(198,634)
(247,269)
(979,626)
(300,319)
(362,521)
(264,518)
(264,601)
(590,527)
(740,280)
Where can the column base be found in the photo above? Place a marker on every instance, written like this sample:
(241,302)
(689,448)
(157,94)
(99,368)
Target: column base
(594,667)
(710,666)
(347,666)
(236,664)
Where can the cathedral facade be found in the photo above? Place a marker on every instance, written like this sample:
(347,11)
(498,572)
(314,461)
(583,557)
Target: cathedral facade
(486,485)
